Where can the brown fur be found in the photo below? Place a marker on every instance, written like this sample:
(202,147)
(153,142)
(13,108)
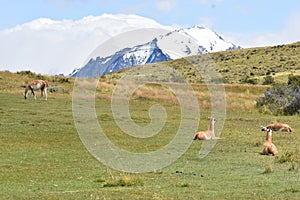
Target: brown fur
(269,147)
(208,134)
(36,85)
(279,127)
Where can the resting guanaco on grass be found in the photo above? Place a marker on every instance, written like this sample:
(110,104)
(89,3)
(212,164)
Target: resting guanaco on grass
(279,127)
(269,147)
(208,134)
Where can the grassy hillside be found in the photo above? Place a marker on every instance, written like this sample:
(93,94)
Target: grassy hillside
(259,62)
(240,66)
(15,82)
(42,156)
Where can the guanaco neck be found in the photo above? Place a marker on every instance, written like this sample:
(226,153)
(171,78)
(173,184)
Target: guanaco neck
(269,136)
(211,127)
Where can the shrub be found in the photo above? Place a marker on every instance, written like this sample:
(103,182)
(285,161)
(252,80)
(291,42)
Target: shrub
(294,80)
(248,80)
(32,75)
(40,77)
(58,89)
(27,72)
(281,99)
(125,181)
(268,80)
(60,79)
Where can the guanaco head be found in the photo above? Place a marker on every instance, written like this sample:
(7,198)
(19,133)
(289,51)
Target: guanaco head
(263,128)
(212,119)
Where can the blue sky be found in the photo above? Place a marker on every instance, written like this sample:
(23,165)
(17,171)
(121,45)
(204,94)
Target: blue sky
(247,23)
(221,15)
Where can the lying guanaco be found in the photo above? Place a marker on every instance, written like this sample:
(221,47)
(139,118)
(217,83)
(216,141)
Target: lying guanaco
(279,127)
(208,134)
(269,147)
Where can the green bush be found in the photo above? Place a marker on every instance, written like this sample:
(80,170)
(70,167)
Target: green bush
(61,79)
(125,181)
(294,80)
(32,75)
(268,80)
(247,80)
(281,100)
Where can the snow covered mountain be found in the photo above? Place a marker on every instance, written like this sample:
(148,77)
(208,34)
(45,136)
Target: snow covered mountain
(173,45)
(138,55)
(207,40)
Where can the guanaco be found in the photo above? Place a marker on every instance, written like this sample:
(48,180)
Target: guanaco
(208,134)
(36,85)
(269,148)
(279,127)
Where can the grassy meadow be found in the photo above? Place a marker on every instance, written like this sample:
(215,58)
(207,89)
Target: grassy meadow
(42,156)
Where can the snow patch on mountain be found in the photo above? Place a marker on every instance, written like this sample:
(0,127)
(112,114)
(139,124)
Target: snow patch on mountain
(175,44)
(138,55)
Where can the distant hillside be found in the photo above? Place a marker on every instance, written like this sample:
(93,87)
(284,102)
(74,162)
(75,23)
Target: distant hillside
(250,65)
(236,66)
(255,63)
(15,82)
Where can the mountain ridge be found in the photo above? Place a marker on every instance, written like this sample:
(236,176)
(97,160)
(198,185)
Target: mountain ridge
(172,45)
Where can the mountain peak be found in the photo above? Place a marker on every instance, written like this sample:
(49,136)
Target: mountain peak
(199,26)
(175,44)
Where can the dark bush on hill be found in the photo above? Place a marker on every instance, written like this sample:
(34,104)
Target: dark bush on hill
(248,80)
(294,80)
(27,72)
(32,75)
(282,99)
(268,80)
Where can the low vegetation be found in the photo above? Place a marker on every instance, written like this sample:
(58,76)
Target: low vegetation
(283,99)
(125,181)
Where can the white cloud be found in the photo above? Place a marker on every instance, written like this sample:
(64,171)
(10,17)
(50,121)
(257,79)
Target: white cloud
(289,33)
(165,5)
(50,47)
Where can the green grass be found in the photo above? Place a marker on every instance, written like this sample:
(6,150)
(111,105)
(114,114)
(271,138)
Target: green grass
(42,156)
